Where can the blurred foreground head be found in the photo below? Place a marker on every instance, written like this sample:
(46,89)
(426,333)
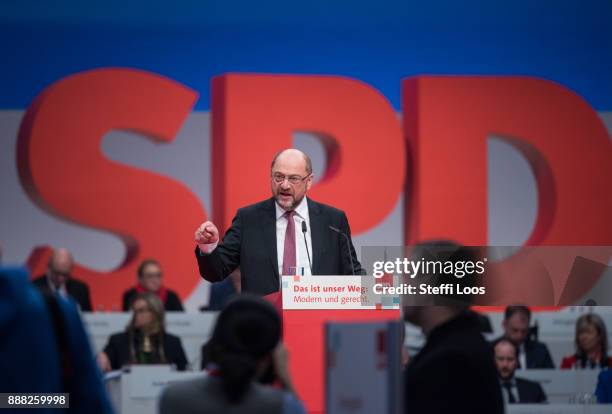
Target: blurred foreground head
(423,309)
(243,340)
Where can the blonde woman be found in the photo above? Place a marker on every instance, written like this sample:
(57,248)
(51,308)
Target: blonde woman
(591,345)
(145,340)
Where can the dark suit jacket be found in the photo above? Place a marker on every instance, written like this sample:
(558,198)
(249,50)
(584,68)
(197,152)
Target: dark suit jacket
(530,392)
(118,350)
(76,289)
(173,302)
(251,244)
(454,372)
(538,355)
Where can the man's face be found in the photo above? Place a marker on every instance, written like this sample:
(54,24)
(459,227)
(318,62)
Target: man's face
(290,180)
(505,360)
(517,328)
(151,278)
(60,267)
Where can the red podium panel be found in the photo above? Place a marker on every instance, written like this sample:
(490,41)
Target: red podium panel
(304,336)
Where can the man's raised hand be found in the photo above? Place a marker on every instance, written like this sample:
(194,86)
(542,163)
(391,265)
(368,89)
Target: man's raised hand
(207,234)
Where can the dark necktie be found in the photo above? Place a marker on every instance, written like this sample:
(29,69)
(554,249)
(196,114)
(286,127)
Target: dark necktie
(289,267)
(508,386)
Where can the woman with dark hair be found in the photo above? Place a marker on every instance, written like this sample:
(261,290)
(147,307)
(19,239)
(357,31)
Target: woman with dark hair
(145,340)
(591,345)
(244,346)
(150,280)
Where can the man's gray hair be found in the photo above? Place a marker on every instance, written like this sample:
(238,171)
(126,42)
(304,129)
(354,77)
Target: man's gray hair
(306,159)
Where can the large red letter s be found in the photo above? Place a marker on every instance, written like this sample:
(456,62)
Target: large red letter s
(64,172)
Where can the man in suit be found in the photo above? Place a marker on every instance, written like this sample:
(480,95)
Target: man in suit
(454,372)
(286,234)
(532,354)
(515,390)
(58,280)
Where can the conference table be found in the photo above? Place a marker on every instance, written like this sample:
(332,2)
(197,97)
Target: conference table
(136,390)
(304,336)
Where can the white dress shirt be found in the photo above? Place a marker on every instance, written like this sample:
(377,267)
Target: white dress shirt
(513,389)
(301,214)
(522,357)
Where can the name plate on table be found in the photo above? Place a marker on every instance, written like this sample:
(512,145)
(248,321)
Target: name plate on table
(331,292)
(190,323)
(177,323)
(106,323)
(147,382)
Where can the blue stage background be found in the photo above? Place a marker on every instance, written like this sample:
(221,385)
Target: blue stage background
(569,42)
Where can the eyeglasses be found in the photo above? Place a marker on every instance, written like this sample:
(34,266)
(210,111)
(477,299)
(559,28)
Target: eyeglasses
(293,179)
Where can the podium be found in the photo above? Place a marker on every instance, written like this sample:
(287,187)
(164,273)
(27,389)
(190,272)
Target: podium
(136,389)
(304,336)
(364,370)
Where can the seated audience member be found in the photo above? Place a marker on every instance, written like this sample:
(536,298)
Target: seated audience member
(150,280)
(244,346)
(222,292)
(591,345)
(604,387)
(145,340)
(532,354)
(58,280)
(515,390)
(45,348)
(454,372)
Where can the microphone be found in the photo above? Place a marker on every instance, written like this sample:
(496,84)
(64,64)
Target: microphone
(348,246)
(304,230)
